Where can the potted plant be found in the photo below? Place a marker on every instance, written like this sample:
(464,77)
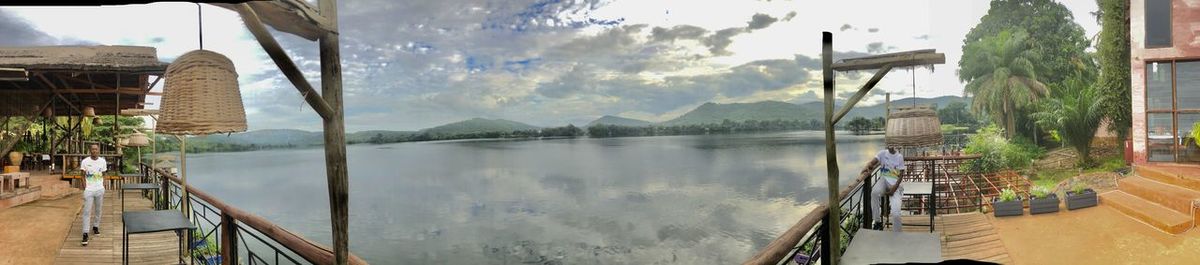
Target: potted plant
(1080,197)
(18,152)
(1042,201)
(1008,204)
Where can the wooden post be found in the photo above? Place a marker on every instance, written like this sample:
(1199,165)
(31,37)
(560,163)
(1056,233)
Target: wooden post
(229,243)
(830,254)
(335,135)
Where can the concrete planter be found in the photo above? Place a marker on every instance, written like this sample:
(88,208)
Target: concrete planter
(1085,199)
(1044,205)
(1010,208)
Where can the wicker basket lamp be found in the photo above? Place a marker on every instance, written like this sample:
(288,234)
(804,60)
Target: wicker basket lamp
(201,96)
(89,111)
(913,127)
(138,140)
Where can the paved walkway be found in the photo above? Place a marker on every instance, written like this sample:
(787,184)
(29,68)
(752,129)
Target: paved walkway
(1097,235)
(153,248)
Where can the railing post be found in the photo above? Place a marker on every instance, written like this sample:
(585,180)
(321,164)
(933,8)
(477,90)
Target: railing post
(868,218)
(166,192)
(229,243)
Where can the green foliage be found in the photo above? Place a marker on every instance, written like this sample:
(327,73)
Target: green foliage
(1001,76)
(859,125)
(1060,42)
(1078,188)
(998,153)
(727,126)
(1196,133)
(1112,52)
(1074,112)
(1040,192)
(957,113)
(1008,195)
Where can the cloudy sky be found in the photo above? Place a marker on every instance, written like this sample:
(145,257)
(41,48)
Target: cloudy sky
(416,64)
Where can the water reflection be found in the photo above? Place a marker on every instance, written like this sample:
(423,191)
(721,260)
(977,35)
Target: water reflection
(644,200)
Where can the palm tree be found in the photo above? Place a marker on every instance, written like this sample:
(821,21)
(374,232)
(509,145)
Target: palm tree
(1000,76)
(1075,112)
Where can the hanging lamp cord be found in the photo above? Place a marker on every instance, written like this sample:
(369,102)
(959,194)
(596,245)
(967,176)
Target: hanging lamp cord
(200,24)
(913,70)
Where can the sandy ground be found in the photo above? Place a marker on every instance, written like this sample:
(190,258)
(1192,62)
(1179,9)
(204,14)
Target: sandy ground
(32,233)
(1097,235)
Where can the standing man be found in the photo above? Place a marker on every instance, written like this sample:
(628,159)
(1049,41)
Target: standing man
(93,194)
(891,167)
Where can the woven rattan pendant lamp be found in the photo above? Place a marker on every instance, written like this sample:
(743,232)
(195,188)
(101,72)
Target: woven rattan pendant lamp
(913,127)
(201,96)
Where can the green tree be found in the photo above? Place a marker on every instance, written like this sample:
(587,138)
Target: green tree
(1001,77)
(1112,51)
(1059,40)
(859,125)
(1075,112)
(956,113)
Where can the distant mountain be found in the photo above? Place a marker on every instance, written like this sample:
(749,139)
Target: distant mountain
(478,125)
(384,135)
(621,121)
(763,110)
(776,110)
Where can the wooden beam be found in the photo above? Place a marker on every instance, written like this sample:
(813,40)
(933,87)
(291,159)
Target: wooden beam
(336,171)
(830,246)
(292,16)
(123,91)
(88,81)
(14,74)
(899,59)
(862,91)
(285,63)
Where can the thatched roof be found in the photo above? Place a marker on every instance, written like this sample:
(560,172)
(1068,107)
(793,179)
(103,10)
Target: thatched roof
(129,59)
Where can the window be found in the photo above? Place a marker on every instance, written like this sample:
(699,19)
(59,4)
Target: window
(1187,85)
(1158,23)
(1158,86)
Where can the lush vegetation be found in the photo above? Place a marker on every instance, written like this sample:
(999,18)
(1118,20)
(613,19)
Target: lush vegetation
(860,125)
(1000,74)
(1040,192)
(958,114)
(1112,52)
(726,126)
(1051,177)
(1008,195)
(1074,113)
(1059,42)
(997,153)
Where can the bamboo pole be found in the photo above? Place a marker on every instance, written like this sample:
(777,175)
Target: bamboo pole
(335,135)
(830,254)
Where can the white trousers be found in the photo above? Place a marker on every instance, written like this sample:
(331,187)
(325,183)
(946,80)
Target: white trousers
(93,204)
(878,190)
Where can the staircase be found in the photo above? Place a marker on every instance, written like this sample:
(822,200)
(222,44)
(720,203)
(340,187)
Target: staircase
(1164,196)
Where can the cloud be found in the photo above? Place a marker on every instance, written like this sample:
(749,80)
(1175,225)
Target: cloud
(789,16)
(845,27)
(876,47)
(922,37)
(873,30)
(677,32)
(760,21)
(18,32)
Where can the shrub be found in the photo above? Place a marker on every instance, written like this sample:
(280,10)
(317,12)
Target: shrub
(997,153)
(1008,194)
(1040,192)
(1078,188)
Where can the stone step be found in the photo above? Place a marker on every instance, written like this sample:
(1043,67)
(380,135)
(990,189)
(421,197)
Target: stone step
(1148,212)
(1183,176)
(1174,197)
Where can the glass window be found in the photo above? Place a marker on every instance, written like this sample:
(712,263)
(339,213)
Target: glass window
(1187,85)
(1158,23)
(1158,86)
(1188,151)
(1162,141)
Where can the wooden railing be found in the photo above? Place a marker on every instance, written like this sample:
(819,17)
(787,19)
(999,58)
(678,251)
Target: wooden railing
(235,223)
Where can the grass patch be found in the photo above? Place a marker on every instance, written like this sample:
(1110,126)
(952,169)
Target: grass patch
(1051,177)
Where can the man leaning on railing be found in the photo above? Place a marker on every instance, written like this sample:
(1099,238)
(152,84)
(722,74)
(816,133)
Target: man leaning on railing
(891,167)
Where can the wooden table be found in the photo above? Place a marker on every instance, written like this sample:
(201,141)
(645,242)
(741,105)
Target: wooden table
(874,246)
(154,221)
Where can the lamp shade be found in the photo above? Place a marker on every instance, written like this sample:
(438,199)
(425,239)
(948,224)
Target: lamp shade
(201,96)
(89,111)
(48,113)
(123,141)
(138,140)
(913,127)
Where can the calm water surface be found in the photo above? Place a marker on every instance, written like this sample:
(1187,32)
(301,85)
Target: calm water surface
(712,199)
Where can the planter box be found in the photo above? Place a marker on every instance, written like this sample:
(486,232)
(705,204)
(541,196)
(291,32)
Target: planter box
(1046,205)
(1011,208)
(1081,200)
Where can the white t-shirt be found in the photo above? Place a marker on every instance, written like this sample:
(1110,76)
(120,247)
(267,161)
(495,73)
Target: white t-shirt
(93,171)
(890,161)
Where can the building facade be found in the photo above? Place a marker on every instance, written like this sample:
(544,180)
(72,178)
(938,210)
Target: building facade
(1165,68)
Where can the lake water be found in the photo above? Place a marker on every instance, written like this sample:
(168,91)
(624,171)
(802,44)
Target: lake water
(711,199)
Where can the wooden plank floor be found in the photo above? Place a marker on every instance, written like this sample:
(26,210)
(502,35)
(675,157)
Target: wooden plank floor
(151,248)
(964,236)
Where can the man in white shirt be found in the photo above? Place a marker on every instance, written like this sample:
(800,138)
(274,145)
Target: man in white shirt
(93,168)
(891,167)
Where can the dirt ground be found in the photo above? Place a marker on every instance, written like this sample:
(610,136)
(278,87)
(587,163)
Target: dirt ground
(32,233)
(1098,181)
(1097,235)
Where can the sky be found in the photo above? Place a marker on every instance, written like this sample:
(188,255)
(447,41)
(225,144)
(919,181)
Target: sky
(409,65)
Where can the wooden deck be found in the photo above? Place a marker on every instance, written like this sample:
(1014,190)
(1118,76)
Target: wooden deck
(153,248)
(964,236)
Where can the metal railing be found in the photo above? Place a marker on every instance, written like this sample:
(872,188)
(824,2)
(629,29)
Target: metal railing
(227,235)
(855,214)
